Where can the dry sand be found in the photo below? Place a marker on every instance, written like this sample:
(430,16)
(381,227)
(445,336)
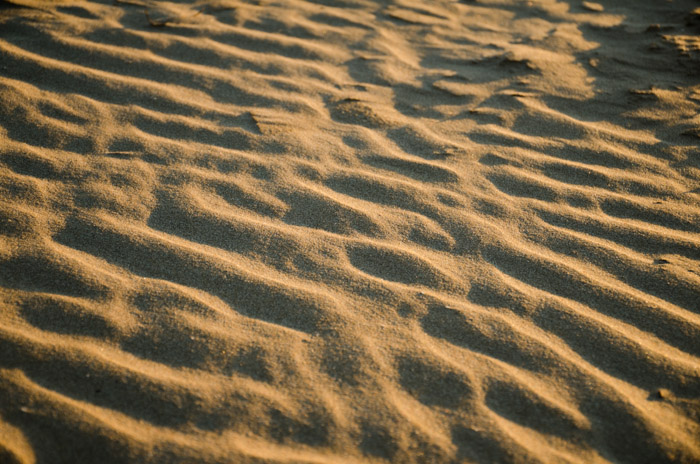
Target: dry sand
(349,231)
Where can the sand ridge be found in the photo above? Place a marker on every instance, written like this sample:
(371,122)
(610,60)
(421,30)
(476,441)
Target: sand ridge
(349,231)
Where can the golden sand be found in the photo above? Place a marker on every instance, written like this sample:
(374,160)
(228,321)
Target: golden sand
(329,231)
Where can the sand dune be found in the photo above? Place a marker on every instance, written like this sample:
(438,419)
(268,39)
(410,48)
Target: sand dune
(349,231)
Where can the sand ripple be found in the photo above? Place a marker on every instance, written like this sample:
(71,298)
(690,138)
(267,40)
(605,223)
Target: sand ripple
(349,231)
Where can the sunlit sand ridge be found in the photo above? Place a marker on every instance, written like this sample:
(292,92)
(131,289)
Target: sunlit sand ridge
(349,231)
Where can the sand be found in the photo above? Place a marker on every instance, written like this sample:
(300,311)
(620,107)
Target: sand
(344,231)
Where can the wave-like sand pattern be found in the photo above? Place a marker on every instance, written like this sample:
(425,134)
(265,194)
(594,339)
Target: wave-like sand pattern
(349,231)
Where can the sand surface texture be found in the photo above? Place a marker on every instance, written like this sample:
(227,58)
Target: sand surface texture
(349,231)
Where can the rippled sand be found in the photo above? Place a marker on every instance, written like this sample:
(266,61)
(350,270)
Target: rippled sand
(349,231)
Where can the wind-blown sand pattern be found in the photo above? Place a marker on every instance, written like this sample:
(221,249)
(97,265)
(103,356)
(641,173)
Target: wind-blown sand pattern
(350,231)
